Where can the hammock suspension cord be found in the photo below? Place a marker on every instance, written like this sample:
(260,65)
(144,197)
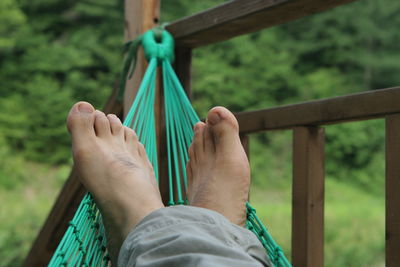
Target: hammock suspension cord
(84,242)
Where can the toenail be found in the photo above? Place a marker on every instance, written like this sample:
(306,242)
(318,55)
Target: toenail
(213,118)
(85,108)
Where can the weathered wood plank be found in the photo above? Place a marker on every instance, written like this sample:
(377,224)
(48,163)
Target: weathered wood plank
(393,190)
(183,68)
(244,139)
(239,17)
(308,197)
(360,106)
(140,16)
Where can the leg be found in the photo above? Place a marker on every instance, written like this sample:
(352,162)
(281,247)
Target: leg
(201,235)
(191,236)
(113,166)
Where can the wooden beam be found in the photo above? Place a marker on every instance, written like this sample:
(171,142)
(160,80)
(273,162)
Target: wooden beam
(392,190)
(183,69)
(244,139)
(355,107)
(240,17)
(140,16)
(308,197)
(146,16)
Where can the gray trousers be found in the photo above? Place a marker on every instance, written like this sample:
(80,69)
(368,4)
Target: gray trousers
(190,236)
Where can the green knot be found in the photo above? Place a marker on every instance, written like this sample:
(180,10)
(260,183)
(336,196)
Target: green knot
(157,43)
(162,49)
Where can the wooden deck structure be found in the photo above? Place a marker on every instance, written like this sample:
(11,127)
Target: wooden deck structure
(305,120)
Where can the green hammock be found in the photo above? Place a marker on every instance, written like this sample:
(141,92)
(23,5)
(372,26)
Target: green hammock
(84,243)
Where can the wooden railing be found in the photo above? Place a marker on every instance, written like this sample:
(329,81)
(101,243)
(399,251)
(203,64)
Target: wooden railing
(221,23)
(307,121)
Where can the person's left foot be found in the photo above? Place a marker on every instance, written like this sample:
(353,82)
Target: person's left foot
(113,166)
(218,169)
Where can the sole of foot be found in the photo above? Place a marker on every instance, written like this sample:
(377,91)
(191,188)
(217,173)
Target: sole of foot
(113,166)
(218,169)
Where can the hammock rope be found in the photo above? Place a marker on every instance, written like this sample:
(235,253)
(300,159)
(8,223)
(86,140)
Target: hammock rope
(84,243)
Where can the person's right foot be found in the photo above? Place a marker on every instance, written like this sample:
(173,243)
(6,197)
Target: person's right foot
(218,169)
(113,166)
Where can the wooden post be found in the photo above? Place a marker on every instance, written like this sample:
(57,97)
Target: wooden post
(393,190)
(183,67)
(140,16)
(244,138)
(308,197)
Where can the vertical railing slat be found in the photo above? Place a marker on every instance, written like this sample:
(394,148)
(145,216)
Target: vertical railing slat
(393,190)
(244,138)
(308,197)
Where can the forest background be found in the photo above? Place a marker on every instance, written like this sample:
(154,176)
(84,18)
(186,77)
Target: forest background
(54,53)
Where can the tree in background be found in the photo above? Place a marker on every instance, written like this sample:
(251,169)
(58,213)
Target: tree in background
(55,53)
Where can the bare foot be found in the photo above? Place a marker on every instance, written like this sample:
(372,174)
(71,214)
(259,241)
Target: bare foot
(113,166)
(218,169)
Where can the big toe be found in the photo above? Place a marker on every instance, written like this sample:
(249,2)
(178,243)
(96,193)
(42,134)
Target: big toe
(223,126)
(80,120)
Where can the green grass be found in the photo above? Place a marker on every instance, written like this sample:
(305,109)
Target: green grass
(24,208)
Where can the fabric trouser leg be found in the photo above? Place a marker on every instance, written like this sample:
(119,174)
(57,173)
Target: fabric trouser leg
(190,236)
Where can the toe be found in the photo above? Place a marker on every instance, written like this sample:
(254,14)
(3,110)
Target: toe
(80,121)
(191,152)
(101,124)
(131,138)
(198,139)
(209,146)
(224,127)
(143,154)
(115,124)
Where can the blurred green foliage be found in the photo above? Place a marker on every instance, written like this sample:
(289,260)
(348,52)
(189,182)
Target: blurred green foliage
(54,53)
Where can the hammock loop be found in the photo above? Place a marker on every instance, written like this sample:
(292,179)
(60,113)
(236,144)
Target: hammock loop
(163,50)
(157,43)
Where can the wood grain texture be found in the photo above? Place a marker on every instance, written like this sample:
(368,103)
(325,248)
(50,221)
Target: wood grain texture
(140,16)
(355,107)
(308,197)
(393,190)
(245,140)
(239,17)
(161,141)
(183,68)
